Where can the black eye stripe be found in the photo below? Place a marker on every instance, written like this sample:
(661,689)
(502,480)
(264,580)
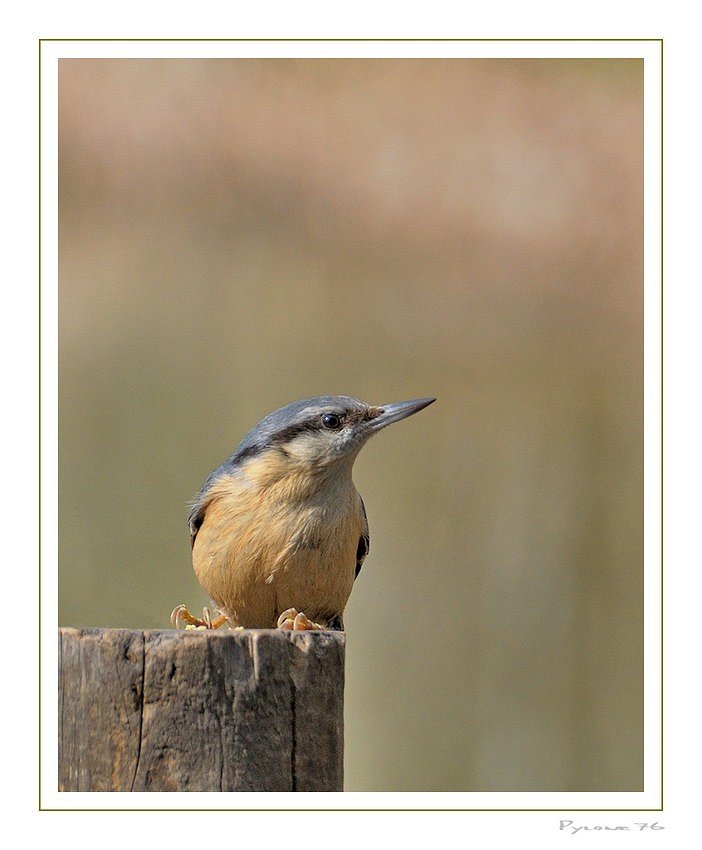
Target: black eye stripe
(314,423)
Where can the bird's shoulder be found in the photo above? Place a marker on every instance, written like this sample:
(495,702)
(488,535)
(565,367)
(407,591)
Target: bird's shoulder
(220,480)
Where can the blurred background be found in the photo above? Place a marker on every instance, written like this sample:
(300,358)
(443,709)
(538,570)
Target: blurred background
(238,234)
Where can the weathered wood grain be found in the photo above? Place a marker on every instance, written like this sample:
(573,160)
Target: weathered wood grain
(251,710)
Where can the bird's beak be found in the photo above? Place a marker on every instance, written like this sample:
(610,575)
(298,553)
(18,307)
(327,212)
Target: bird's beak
(390,413)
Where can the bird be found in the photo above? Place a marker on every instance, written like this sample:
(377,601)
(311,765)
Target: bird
(278,532)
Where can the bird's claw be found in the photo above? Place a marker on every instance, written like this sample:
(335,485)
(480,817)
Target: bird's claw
(181,613)
(294,620)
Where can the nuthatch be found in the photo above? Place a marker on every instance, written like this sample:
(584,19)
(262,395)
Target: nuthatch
(279,532)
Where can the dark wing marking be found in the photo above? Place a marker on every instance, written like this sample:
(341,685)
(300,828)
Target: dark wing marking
(195,520)
(199,507)
(363,542)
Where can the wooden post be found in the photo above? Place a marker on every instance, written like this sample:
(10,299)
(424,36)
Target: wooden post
(250,710)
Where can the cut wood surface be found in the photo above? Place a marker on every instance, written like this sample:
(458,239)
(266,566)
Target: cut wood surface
(250,710)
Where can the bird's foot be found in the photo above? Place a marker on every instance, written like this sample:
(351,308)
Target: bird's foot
(294,620)
(181,613)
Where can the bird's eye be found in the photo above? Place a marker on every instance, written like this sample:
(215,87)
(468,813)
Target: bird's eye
(331,421)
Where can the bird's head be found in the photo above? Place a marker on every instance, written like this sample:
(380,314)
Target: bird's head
(322,432)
